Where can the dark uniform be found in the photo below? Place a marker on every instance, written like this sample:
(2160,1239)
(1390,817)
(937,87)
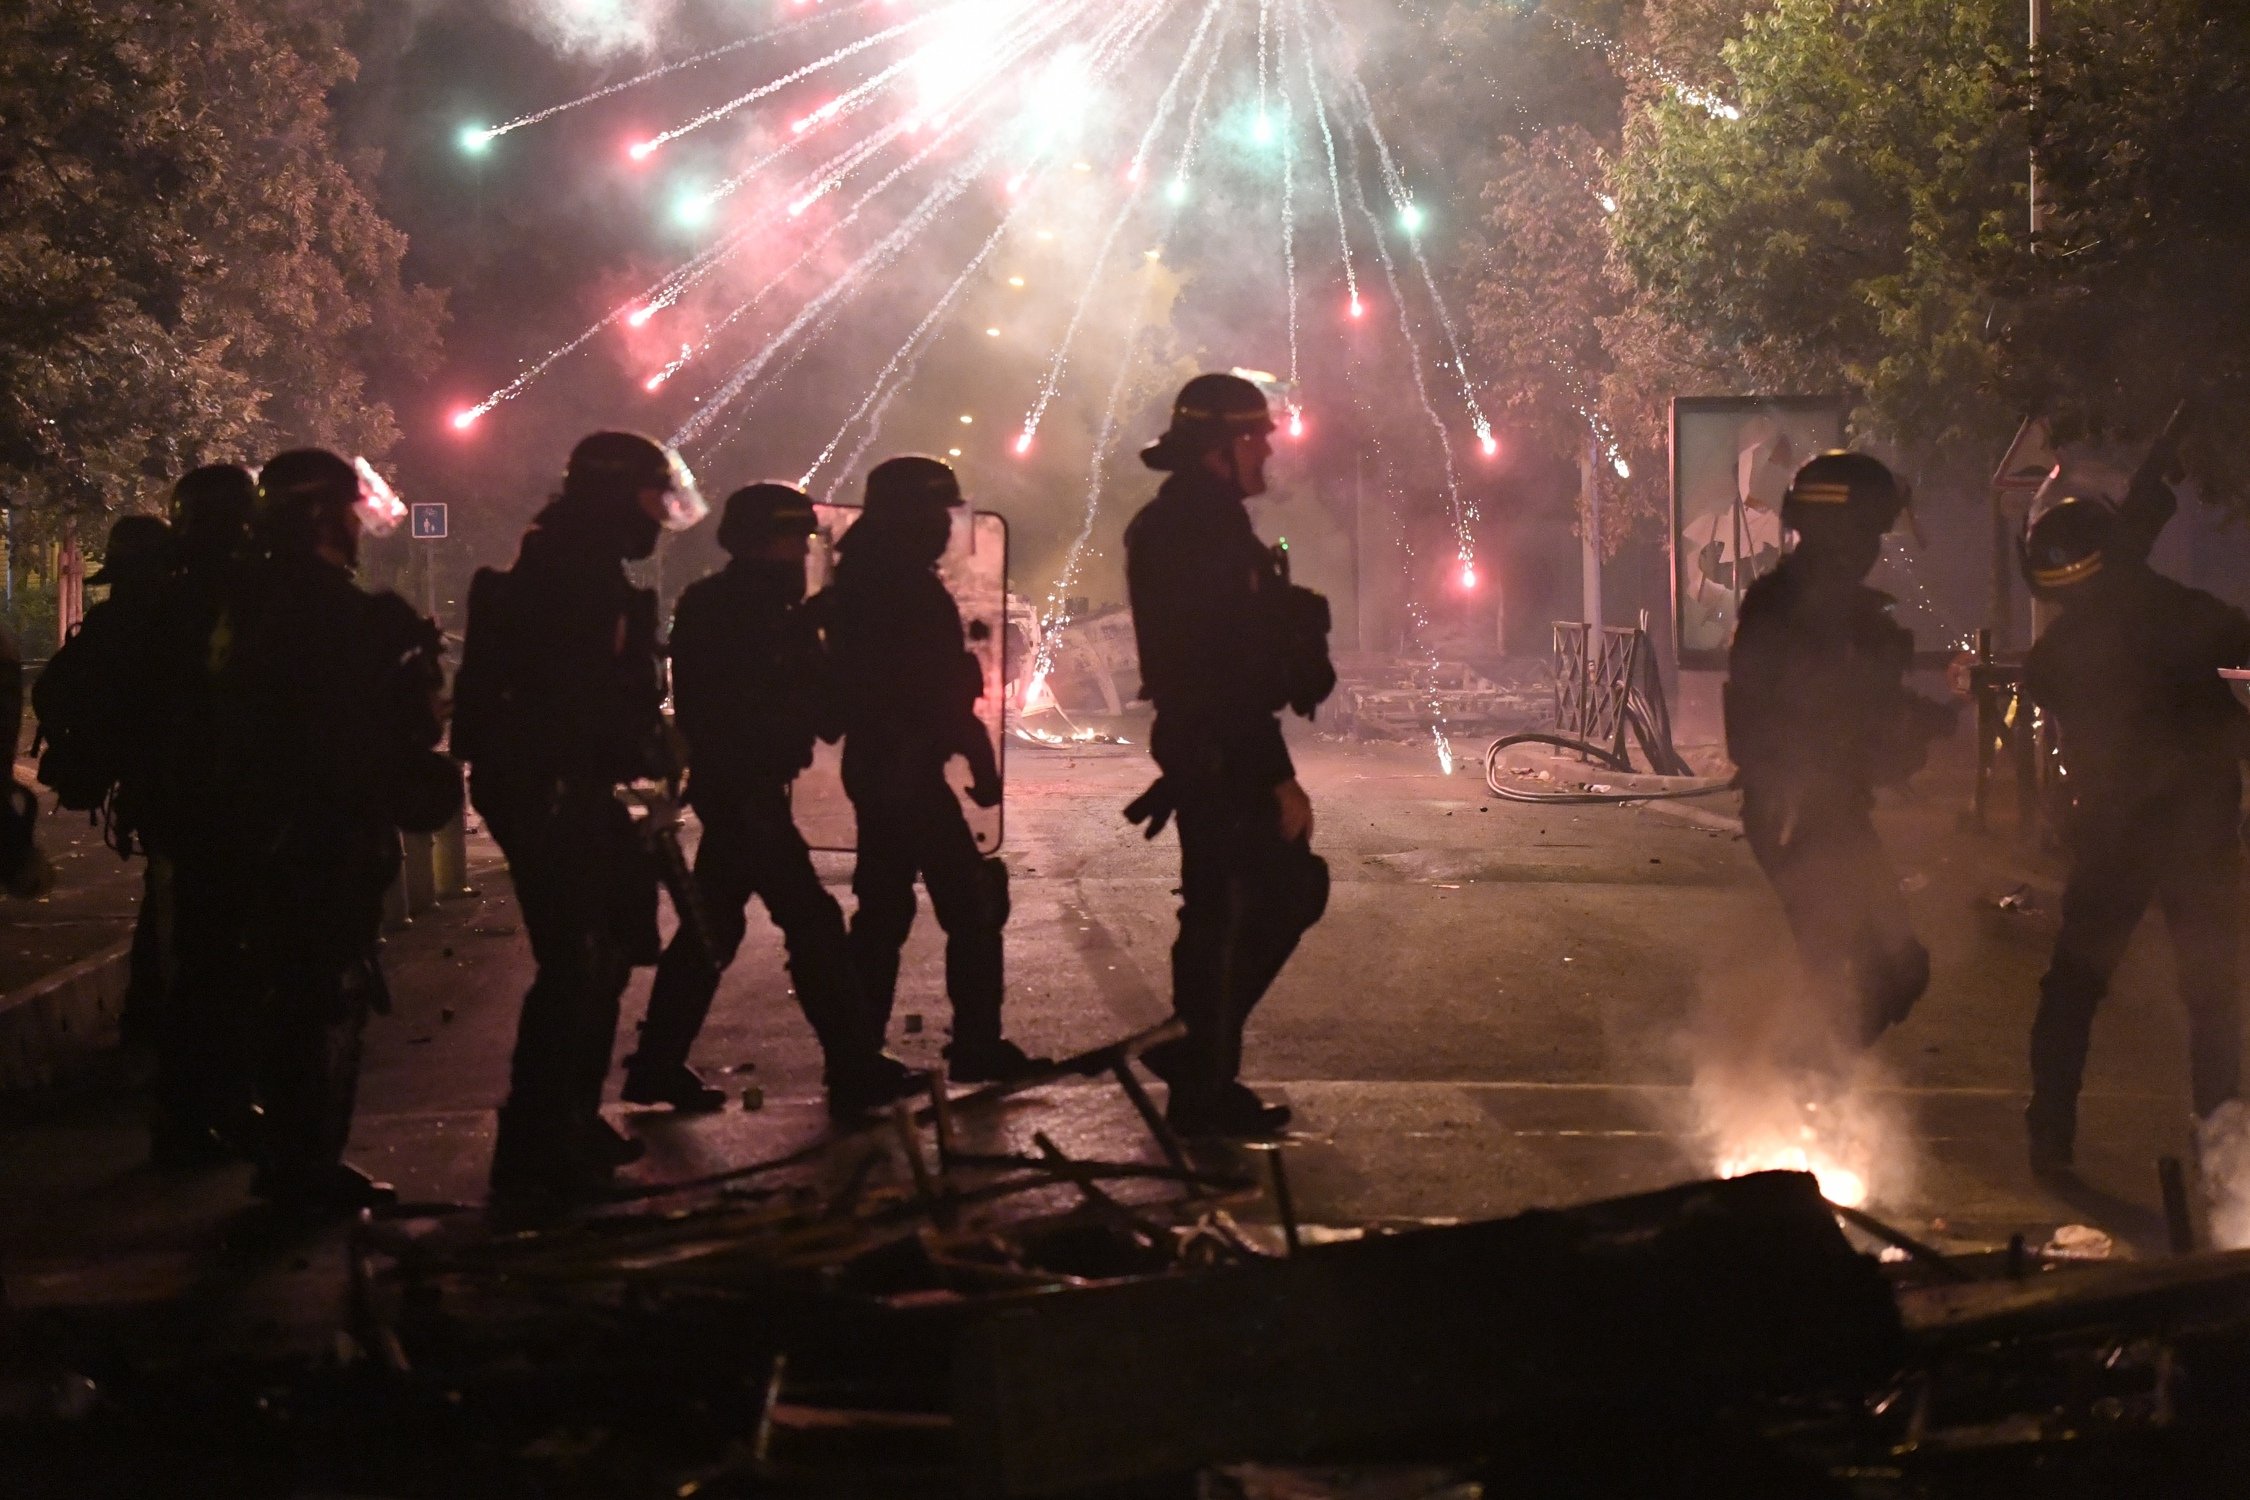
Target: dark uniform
(1817,716)
(750,690)
(1225,643)
(326,704)
(92,705)
(2153,740)
(557,704)
(203,1089)
(907,690)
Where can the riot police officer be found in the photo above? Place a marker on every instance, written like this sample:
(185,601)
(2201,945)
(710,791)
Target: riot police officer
(750,689)
(1226,643)
(91,701)
(326,704)
(558,703)
(202,1084)
(907,691)
(1818,715)
(2153,740)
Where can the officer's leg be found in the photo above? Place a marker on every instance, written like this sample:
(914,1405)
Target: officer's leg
(1890,968)
(1284,891)
(551,1133)
(2108,890)
(812,928)
(686,977)
(969,894)
(203,1051)
(1208,892)
(883,883)
(2201,894)
(315,1013)
(148,987)
(1818,882)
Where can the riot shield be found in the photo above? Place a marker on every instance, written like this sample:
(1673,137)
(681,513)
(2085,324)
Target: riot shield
(975,568)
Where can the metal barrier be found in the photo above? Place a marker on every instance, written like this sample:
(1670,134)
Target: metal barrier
(1594,679)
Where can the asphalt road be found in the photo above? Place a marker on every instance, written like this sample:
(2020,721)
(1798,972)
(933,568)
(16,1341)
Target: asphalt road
(1506,1006)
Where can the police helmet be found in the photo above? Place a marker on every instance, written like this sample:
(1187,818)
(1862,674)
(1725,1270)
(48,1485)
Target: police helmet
(2068,542)
(298,488)
(1210,412)
(214,504)
(1841,488)
(912,482)
(757,512)
(139,549)
(609,468)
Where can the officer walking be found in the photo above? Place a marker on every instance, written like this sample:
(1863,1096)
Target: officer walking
(328,708)
(2153,740)
(1818,715)
(907,691)
(558,703)
(1226,643)
(751,692)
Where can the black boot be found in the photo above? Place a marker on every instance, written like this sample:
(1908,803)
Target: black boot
(997,1061)
(677,1085)
(1230,1112)
(2053,1129)
(870,1085)
(336,1188)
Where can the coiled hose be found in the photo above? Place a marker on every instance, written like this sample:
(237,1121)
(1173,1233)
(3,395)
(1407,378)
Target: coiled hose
(1704,787)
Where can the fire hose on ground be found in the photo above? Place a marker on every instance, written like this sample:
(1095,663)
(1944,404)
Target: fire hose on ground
(1651,726)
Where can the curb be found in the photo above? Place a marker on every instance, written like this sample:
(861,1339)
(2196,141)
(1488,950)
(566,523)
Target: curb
(52,1026)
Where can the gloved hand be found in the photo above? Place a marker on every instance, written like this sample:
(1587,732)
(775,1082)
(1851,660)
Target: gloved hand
(1153,807)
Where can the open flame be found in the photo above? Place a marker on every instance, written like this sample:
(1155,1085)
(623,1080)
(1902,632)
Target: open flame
(1839,1184)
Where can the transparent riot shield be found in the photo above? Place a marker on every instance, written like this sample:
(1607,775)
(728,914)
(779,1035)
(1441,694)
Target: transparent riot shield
(975,568)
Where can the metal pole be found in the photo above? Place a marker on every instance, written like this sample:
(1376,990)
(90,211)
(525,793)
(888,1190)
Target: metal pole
(2038,25)
(1590,544)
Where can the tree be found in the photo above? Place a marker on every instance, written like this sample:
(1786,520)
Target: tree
(1835,235)
(192,272)
(2133,296)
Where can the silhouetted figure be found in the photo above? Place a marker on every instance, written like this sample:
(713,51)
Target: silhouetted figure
(558,703)
(1226,643)
(751,693)
(92,701)
(1818,715)
(326,700)
(2153,741)
(907,690)
(202,1085)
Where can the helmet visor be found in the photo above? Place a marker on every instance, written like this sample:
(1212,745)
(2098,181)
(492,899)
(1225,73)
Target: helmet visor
(681,503)
(379,508)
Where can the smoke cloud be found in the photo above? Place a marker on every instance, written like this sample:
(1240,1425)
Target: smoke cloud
(596,29)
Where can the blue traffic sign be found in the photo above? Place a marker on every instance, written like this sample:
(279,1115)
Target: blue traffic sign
(429,523)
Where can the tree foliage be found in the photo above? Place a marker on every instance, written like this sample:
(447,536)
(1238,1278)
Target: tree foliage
(1865,225)
(192,270)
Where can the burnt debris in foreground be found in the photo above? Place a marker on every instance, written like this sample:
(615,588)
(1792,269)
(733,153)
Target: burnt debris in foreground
(898,1311)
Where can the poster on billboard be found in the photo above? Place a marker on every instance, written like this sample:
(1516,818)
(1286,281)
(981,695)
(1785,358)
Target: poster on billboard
(975,568)
(1732,457)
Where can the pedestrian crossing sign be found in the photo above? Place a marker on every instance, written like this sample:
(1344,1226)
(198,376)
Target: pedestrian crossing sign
(429,523)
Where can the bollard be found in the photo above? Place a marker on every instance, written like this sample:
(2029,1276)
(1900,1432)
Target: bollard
(449,853)
(418,873)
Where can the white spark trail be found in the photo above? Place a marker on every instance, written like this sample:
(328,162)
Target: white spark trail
(540,116)
(1061,360)
(1402,202)
(774,86)
(1328,141)
(873,261)
(1414,353)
